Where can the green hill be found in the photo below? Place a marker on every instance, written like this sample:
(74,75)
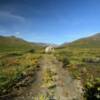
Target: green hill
(13,44)
(88,42)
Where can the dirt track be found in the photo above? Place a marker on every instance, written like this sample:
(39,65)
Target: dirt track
(65,87)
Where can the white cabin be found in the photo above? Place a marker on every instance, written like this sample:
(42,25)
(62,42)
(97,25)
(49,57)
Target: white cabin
(49,49)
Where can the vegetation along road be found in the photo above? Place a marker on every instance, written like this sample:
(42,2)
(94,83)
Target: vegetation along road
(53,82)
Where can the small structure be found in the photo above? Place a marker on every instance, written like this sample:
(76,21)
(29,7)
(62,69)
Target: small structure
(49,49)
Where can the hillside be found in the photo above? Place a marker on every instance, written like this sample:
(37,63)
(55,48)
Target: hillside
(88,42)
(12,43)
(36,75)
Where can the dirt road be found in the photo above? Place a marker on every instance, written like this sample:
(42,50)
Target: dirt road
(59,85)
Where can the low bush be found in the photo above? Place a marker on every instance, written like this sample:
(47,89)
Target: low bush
(92,90)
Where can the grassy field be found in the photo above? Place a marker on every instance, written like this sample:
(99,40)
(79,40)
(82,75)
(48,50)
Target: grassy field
(83,64)
(19,63)
(14,68)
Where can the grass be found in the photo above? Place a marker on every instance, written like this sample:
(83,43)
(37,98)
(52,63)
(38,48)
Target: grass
(16,63)
(85,66)
(48,78)
(12,68)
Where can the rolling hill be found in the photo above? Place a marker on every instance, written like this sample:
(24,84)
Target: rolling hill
(88,42)
(12,43)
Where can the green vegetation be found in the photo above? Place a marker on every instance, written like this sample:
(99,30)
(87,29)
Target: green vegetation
(89,42)
(13,44)
(15,69)
(41,97)
(83,62)
(19,64)
(92,89)
(63,56)
(48,78)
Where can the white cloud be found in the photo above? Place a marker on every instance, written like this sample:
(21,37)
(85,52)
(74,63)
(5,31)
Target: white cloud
(9,15)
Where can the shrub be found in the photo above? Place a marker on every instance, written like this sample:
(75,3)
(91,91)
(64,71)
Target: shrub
(31,51)
(62,56)
(92,90)
(65,62)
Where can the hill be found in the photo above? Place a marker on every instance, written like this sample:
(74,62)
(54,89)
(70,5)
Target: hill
(88,42)
(12,43)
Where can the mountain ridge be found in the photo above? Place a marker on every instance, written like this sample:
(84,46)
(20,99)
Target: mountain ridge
(86,42)
(12,43)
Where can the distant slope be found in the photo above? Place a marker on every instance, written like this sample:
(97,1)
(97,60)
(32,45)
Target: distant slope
(89,42)
(12,43)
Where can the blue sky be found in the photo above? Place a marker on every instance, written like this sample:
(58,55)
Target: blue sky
(50,21)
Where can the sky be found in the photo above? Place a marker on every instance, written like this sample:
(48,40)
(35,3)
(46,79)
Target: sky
(49,21)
